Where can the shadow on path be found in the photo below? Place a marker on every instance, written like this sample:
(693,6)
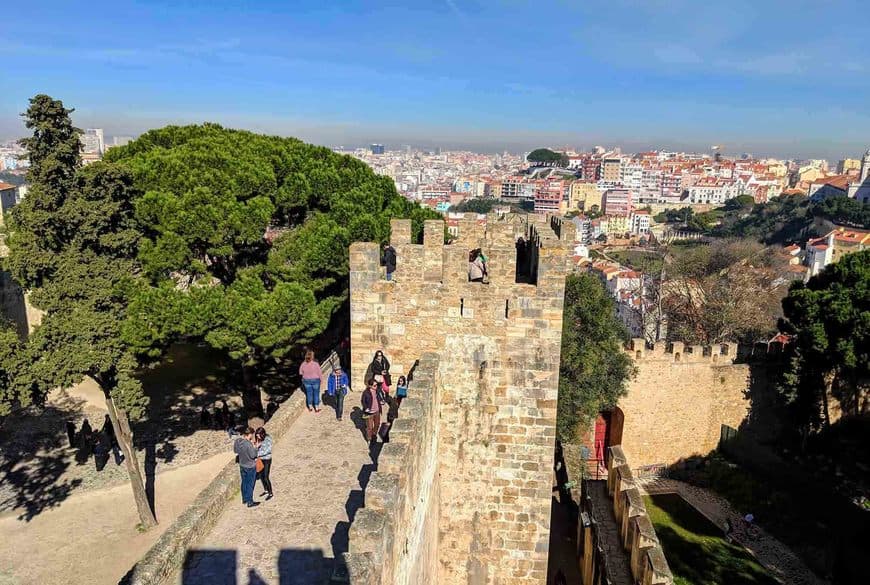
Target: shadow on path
(220,566)
(340,539)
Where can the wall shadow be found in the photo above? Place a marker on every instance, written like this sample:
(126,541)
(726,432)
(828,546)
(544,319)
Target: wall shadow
(209,567)
(220,567)
(340,539)
(564,512)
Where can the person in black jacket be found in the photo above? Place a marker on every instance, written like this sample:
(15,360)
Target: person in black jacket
(389,260)
(380,366)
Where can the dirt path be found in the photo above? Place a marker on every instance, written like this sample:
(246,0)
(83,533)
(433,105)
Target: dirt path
(321,466)
(92,537)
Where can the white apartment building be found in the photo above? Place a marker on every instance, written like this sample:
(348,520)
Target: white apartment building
(712,191)
(639,222)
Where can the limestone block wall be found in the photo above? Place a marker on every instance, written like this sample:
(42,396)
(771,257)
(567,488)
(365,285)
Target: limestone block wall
(394,538)
(681,397)
(498,346)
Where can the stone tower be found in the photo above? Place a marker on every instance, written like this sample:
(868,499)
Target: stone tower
(483,515)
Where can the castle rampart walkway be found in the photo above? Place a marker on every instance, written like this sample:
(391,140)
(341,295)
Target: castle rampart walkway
(615,556)
(320,468)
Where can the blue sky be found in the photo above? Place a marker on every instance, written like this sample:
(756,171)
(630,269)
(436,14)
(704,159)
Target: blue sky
(787,78)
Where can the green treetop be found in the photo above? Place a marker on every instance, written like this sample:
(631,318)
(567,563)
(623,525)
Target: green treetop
(594,369)
(830,316)
(547,156)
(246,239)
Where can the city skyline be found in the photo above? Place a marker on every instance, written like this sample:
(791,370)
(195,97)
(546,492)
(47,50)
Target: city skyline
(456,74)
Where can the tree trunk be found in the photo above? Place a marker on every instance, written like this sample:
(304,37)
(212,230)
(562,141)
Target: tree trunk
(124,436)
(251,400)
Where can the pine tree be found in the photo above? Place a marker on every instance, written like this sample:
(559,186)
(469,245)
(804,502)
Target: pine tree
(73,244)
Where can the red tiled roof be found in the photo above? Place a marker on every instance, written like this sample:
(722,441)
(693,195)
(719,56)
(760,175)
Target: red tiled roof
(838,181)
(4,186)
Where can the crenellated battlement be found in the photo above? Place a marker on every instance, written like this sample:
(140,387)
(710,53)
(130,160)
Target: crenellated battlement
(679,352)
(446,264)
(469,462)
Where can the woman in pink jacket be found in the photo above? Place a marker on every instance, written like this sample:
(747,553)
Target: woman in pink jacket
(311,373)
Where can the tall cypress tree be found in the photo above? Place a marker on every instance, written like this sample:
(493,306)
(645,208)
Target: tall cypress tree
(73,245)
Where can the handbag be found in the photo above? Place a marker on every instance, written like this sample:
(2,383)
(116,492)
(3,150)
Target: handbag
(259,465)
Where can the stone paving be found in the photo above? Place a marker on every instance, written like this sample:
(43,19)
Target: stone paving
(615,557)
(776,557)
(319,471)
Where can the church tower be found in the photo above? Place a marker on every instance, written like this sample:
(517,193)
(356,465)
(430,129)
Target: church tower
(865,167)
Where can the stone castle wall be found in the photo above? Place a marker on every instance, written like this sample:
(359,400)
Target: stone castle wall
(681,397)
(394,538)
(498,348)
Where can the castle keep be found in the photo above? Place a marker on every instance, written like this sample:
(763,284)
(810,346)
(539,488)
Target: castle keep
(462,494)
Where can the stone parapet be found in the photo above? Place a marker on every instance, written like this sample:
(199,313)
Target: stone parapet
(393,539)
(677,351)
(637,534)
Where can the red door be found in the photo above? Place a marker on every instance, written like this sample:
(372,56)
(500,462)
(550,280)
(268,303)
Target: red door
(601,438)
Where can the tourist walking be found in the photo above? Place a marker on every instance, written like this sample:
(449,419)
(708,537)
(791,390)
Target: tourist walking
(380,366)
(71,433)
(388,260)
(337,387)
(372,403)
(311,372)
(246,453)
(264,454)
(476,266)
(401,390)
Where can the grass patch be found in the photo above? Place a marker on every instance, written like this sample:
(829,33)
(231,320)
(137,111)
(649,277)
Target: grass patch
(695,548)
(644,261)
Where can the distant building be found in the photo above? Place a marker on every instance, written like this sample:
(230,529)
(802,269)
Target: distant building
(550,197)
(711,190)
(836,186)
(848,164)
(377,148)
(584,195)
(93,142)
(583,229)
(617,225)
(831,248)
(121,140)
(8,200)
(639,222)
(610,169)
(860,189)
(617,202)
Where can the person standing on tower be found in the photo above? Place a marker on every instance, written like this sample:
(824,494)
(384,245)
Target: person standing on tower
(388,261)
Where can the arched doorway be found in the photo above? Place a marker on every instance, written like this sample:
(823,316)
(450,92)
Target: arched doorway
(608,431)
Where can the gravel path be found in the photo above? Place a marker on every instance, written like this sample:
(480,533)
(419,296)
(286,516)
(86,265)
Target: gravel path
(92,537)
(320,468)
